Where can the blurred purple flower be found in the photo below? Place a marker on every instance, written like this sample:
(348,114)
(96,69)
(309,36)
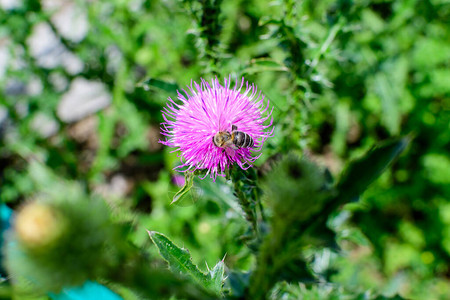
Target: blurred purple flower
(191,124)
(178,180)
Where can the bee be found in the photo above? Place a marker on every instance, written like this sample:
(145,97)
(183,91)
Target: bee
(233,140)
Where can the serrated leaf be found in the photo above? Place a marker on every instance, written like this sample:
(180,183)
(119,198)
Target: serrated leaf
(217,275)
(153,83)
(362,172)
(188,183)
(179,260)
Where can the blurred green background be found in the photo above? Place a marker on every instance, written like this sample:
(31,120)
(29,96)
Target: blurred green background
(82,84)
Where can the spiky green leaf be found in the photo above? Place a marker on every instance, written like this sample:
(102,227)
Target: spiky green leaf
(180,260)
(217,275)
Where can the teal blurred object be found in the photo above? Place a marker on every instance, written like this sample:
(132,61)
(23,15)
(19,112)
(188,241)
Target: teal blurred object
(5,220)
(89,291)
(5,217)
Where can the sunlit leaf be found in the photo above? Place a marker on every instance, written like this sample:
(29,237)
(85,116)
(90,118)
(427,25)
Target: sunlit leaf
(362,172)
(153,83)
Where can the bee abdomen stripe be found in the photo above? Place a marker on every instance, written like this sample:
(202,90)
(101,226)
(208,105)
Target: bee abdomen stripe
(239,139)
(251,142)
(243,140)
(246,140)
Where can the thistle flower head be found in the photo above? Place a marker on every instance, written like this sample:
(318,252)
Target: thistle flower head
(211,108)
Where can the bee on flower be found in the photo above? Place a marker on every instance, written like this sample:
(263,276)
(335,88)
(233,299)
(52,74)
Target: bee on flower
(215,126)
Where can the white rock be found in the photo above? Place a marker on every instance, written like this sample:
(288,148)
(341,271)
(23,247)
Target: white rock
(72,63)
(83,99)
(10,4)
(14,87)
(34,86)
(4,58)
(58,81)
(114,59)
(22,108)
(3,114)
(51,5)
(49,52)
(71,21)
(115,190)
(45,46)
(135,5)
(44,125)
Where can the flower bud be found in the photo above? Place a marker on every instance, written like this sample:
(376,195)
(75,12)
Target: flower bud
(62,243)
(39,225)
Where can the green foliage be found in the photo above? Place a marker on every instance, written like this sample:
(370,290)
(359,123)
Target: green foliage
(301,199)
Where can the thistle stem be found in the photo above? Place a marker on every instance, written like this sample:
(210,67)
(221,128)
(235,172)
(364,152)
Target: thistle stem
(247,193)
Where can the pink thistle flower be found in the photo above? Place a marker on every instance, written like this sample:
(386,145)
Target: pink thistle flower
(191,125)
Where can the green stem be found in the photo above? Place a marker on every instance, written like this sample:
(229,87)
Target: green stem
(247,193)
(270,261)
